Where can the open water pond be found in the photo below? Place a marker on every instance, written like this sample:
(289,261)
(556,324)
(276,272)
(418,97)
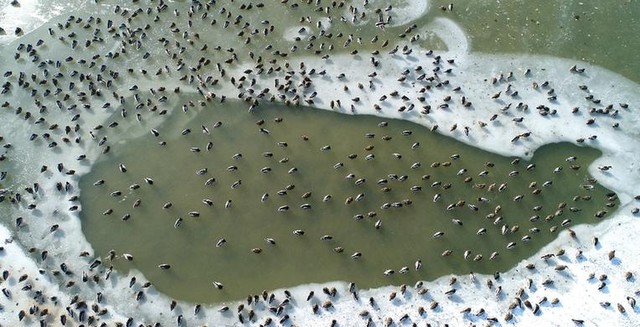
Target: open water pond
(226,182)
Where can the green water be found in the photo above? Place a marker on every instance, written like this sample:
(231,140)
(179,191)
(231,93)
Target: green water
(404,237)
(589,30)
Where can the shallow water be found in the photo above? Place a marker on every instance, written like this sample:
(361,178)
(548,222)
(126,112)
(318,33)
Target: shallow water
(590,31)
(148,233)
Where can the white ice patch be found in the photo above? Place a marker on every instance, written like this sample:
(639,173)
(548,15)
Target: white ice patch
(28,15)
(450,33)
(406,11)
(293,32)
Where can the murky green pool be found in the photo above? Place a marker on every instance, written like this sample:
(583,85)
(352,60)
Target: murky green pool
(396,171)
